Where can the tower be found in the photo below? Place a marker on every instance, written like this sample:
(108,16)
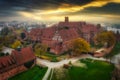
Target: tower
(66,19)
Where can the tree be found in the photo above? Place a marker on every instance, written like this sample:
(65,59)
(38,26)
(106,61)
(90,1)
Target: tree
(78,46)
(6,40)
(16,44)
(2,54)
(22,35)
(40,49)
(105,37)
(5,31)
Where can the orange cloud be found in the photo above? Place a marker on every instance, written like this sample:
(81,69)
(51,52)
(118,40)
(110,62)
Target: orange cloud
(66,8)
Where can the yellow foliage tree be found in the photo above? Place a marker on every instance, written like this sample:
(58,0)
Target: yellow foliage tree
(105,37)
(40,49)
(78,46)
(16,44)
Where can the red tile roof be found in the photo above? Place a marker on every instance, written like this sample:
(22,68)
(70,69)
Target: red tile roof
(74,30)
(48,33)
(6,61)
(16,58)
(71,24)
(68,34)
(25,55)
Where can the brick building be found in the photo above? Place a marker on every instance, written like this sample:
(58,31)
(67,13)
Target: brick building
(56,36)
(16,62)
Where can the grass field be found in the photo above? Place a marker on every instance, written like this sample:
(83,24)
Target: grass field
(94,70)
(35,73)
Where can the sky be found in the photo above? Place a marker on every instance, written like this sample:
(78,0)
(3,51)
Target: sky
(96,11)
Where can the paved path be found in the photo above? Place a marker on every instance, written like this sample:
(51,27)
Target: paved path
(47,74)
(52,65)
(66,61)
(59,64)
(51,74)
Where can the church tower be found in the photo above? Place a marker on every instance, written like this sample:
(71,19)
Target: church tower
(66,19)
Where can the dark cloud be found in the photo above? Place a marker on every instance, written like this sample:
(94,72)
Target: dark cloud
(57,3)
(39,4)
(111,8)
(11,7)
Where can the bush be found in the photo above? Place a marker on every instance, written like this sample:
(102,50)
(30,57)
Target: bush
(29,64)
(54,60)
(66,66)
(2,54)
(44,57)
(70,63)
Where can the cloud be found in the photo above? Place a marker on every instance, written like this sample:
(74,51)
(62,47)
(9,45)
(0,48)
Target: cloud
(54,10)
(110,8)
(67,8)
(101,8)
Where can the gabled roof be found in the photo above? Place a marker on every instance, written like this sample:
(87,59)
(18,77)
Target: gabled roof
(6,61)
(16,58)
(68,34)
(48,33)
(71,24)
(25,55)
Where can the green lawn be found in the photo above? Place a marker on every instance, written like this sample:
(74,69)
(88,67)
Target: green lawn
(94,70)
(35,73)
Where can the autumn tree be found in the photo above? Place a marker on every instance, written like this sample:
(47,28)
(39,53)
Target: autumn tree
(78,46)
(40,49)
(16,44)
(7,40)
(105,38)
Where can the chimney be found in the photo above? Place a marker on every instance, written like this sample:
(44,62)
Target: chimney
(66,19)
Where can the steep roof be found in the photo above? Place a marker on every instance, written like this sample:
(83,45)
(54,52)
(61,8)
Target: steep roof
(48,33)
(71,24)
(6,63)
(35,33)
(16,58)
(89,28)
(68,34)
(24,55)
